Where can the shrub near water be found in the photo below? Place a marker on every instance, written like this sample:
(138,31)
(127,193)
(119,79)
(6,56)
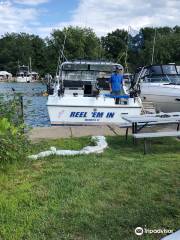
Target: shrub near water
(12,140)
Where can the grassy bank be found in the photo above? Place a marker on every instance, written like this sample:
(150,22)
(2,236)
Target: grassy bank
(91,197)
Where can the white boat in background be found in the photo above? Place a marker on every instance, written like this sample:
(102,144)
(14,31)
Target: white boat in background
(5,76)
(25,74)
(81,96)
(160,84)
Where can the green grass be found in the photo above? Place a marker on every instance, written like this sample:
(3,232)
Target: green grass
(91,197)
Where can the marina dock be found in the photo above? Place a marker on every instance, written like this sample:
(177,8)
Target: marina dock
(55,132)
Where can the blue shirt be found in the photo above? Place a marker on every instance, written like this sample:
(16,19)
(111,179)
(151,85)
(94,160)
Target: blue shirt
(116,81)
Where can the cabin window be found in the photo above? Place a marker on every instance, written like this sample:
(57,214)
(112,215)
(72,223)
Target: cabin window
(79,75)
(75,67)
(155,70)
(162,79)
(169,69)
(178,69)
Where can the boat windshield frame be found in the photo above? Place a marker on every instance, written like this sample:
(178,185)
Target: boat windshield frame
(87,71)
(161,69)
(89,66)
(163,73)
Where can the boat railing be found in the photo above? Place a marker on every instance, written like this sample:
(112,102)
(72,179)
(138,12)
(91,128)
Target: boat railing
(169,79)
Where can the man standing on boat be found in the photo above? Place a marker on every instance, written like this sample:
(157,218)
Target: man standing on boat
(116,83)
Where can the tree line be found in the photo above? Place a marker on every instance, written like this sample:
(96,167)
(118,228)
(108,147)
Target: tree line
(82,43)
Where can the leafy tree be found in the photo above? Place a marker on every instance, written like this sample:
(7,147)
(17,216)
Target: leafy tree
(80,43)
(18,48)
(115,45)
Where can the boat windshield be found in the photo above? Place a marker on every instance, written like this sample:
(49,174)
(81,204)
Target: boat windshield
(169,69)
(169,73)
(79,75)
(160,70)
(169,79)
(157,79)
(89,67)
(155,70)
(175,80)
(23,68)
(86,72)
(178,69)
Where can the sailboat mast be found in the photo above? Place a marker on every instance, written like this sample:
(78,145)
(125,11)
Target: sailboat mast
(154,42)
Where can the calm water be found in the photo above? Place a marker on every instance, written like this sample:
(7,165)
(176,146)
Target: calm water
(35,110)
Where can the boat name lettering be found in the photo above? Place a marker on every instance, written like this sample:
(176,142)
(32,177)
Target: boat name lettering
(93,114)
(78,114)
(110,115)
(97,114)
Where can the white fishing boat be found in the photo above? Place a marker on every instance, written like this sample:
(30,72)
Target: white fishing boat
(25,74)
(160,84)
(81,96)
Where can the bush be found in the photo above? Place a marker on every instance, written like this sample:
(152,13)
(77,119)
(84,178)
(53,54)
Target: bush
(10,108)
(14,145)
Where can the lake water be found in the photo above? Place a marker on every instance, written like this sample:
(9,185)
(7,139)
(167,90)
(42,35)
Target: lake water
(35,110)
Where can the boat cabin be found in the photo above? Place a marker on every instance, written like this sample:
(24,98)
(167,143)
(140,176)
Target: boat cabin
(86,75)
(165,73)
(23,71)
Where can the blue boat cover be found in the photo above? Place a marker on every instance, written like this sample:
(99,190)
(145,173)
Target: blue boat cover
(116,96)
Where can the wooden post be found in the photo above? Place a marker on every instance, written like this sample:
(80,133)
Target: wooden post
(127,133)
(145,146)
(22,110)
(178,126)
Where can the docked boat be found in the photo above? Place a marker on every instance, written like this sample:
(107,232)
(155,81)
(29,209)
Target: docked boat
(26,75)
(81,96)
(160,84)
(5,76)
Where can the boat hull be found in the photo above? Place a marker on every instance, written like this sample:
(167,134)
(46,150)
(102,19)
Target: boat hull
(24,79)
(165,98)
(90,112)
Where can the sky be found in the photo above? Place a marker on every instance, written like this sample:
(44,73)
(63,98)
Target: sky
(42,16)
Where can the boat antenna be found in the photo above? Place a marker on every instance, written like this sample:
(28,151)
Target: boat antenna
(154,42)
(61,53)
